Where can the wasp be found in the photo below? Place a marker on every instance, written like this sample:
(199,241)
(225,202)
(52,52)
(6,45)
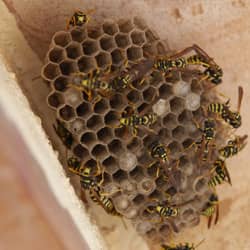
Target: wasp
(231,117)
(221,174)
(185,246)
(212,207)
(212,71)
(63,133)
(79,18)
(233,146)
(160,151)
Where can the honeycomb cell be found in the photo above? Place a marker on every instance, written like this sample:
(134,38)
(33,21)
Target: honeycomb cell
(192,101)
(134,97)
(165,135)
(67,113)
(62,38)
(118,56)
(110,28)
(170,121)
(196,86)
(187,143)
(90,47)
(177,105)
(121,202)
(131,213)
(95,122)
(122,40)
(171,191)
(138,37)
(55,100)
(117,102)
(122,133)
(138,200)
(110,164)
(112,118)
(119,176)
(127,161)
(77,126)
(165,230)
(134,145)
(60,83)
(146,186)
(81,152)
(151,36)
(116,147)
(95,33)
(89,139)
(165,91)
(105,134)
(72,97)
(137,173)
(67,67)
(200,185)
(101,106)
(160,48)
(103,60)
(179,133)
(74,51)
(187,213)
(105,178)
(134,53)
(145,159)
(175,148)
(99,151)
(149,50)
(149,94)
(50,71)
(56,54)
(181,88)
(142,108)
(155,195)
(185,165)
(161,107)
(107,43)
(86,64)
(84,110)
(149,140)
(125,26)
(139,23)
(78,35)
(185,117)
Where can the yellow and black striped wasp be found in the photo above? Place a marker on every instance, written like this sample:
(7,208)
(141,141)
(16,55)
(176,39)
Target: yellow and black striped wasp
(160,151)
(233,118)
(211,209)
(64,134)
(177,62)
(79,18)
(185,246)
(233,146)
(219,173)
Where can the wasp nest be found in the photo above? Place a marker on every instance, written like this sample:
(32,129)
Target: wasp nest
(177,100)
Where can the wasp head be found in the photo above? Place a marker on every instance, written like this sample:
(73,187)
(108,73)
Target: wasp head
(73,164)
(235,119)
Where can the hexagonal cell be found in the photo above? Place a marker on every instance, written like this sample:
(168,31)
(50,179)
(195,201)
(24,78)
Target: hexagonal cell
(185,117)
(138,200)
(93,165)
(56,54)
(62,38)
(90,47)
(134,97)
(107,43)
(186,166)
(77,126)
(122,40)
(110,164)
(155,195)
(127,161)
(95,33)
(121,202)
(138,37)
(99,151)
(67,113)
(78,35)
(55,100)
(118,56)
(196,86)
(145,159)
(151,36)
(175,148)
(120,175)
(84,110)
(50,71)
(134,145)
(105,134)
(140,23)
(125,25)
(177,105)
(149,140)
(112,118)
(179,133)
(142,108)
(67,67)
(149,94)
(170,121)
(192,101)
(146,186)
(106,179)
(117,102)
(165,135)
(74,51)
(137,173)
(116,147)
(89,139)
(165,91)
(86,64)
(200,185)
(95,122)
(181,88)
(188,214)
(149,50)
(72,97)
(131,213)
(160,48)
(101,106)
(103,60)
(110,28)
(161,107)
(60,83)
(122,132)
(187,143)
(165,230)
(81,152)
(134,53)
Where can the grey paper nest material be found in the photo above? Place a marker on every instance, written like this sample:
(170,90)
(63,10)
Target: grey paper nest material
(125,159)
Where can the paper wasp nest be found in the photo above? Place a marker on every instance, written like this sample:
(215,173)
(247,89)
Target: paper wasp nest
(125,159)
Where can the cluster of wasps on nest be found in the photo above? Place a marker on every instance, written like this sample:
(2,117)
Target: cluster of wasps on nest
(105,83)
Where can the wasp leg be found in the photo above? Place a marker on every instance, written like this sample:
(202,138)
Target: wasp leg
(135,131)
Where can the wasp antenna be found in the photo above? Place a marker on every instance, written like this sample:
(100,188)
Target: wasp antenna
(240,96)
